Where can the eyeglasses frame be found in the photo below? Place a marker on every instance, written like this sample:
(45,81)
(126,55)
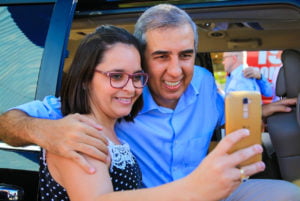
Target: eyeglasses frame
(130,76)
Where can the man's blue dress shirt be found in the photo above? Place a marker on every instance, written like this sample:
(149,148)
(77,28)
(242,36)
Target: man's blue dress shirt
(169,144)
(237,82)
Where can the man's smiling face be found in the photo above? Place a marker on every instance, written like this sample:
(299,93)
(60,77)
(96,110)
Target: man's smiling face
(170,57)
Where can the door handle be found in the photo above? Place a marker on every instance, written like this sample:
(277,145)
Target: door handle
(10,192)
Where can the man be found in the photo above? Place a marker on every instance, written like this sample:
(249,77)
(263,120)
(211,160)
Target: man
(243,78)
(171,135)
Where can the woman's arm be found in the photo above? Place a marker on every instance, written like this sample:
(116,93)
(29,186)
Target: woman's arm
(214,179)
(79,184)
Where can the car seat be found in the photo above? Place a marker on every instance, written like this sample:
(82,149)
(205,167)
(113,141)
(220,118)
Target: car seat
(284,128)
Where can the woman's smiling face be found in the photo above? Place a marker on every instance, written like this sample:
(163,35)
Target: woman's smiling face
(114,102)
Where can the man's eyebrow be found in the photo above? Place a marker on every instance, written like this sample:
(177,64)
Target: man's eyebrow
(159,52)
(189,51)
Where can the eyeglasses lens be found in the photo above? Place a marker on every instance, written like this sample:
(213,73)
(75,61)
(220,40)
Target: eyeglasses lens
(119,80)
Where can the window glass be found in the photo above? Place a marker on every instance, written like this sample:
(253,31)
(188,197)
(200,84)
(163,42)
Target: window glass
(22,39)
(19,158)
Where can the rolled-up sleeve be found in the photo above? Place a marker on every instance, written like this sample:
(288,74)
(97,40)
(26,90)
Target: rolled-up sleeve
(49,108)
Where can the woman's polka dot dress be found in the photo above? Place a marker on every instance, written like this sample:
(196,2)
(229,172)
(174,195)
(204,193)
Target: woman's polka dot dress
(124,172)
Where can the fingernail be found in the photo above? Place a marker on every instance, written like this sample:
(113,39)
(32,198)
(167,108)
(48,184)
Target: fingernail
(258,148)
(92,170)
(108,160)
(99,127)
(288,109)
(261,165)
(246,131)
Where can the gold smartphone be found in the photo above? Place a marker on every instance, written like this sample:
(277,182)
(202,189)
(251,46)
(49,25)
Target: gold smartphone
(243,110)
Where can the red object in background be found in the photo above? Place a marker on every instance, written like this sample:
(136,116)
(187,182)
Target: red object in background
(269,63)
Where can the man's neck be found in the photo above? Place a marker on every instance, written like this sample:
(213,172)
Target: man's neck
(166,103)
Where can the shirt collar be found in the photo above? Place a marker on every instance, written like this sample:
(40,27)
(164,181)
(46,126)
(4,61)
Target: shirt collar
(237,71)
(149,103)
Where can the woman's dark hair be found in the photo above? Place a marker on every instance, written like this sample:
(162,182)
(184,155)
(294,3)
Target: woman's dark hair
(75,88)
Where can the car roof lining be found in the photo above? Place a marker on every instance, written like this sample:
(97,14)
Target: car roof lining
(277,21)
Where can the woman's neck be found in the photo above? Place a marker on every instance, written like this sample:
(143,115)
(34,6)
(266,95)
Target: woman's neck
(107,124)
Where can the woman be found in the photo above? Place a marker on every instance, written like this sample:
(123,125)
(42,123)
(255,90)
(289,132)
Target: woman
(104,82)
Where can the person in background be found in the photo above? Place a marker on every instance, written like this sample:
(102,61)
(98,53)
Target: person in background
(171,134)
(240,77)
(274,80)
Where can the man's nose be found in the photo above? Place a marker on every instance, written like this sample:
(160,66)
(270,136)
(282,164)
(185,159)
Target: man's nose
(175,67)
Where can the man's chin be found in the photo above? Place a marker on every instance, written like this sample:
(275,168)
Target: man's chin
(174,97)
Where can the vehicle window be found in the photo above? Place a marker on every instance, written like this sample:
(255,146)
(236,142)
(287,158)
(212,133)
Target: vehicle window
(19,158)
(32,48)
(22,38)
(267,63)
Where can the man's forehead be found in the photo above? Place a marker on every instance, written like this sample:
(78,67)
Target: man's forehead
(175,39)
(170,28)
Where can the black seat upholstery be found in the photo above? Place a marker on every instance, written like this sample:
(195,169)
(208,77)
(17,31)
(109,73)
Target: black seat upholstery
(284,128)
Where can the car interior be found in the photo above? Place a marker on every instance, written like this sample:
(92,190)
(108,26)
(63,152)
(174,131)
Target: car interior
(284,128)
(227,28)
(226,25)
